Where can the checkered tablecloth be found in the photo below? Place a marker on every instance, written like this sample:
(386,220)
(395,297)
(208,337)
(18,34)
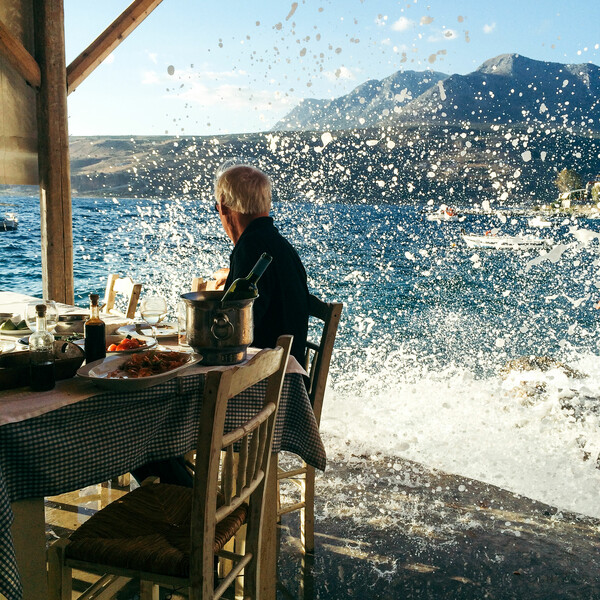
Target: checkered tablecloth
(109,434)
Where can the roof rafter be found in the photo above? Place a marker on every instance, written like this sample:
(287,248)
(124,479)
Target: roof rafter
(18,56)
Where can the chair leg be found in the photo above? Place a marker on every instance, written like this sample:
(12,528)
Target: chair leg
(307,514)
(240,548)
(149,590)
(307,583)
(122,480)
(59,575)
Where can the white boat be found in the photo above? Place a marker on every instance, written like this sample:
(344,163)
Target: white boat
(9,223)
(443,213)
(539,222)
(509,242)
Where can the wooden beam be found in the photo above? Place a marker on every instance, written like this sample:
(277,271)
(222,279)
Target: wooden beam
(53,152)
(107,41)
(18,56)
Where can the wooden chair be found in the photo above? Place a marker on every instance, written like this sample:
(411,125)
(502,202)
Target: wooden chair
(126,287)
(200,285)
(317,360)
(169,535)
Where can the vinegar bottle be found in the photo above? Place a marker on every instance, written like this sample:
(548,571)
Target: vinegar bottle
(41,353)
(94,333)
(245,287)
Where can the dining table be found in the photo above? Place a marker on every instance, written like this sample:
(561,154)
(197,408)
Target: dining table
(78,435)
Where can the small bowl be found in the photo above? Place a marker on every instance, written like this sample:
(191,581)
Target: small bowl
(68,318)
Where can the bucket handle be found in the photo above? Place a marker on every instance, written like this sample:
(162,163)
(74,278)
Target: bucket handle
(222,327)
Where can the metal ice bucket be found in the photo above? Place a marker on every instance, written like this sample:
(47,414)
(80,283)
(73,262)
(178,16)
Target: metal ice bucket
(220,334)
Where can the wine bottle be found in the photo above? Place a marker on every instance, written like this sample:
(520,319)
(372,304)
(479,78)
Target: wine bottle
(41,353)
(94,333)
(245,287)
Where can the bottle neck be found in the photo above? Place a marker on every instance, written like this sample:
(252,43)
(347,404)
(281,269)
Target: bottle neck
(94,311)
(40,323)
(259,268)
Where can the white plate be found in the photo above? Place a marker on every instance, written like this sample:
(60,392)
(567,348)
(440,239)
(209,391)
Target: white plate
(15,332)
(163,329)
(7,347)
(98,372)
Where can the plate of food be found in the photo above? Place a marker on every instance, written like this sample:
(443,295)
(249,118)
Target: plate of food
(163,329)
(137,371)
(13,325)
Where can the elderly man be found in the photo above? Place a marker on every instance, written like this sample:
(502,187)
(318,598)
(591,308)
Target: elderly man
(243,196)
(243,201)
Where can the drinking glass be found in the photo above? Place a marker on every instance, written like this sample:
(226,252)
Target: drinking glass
(29,314)
(153,310)
(182,326)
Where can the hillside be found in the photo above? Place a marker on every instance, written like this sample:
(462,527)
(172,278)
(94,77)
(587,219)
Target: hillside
(398,164)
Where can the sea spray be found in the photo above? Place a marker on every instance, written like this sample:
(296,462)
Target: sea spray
(425,333)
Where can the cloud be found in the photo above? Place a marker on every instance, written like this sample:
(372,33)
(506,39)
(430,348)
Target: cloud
(109,60)
(341,73)
(402,24)
(235,98)
(153,56)
(489,28)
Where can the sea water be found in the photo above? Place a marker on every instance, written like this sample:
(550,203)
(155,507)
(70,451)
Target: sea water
(428,325)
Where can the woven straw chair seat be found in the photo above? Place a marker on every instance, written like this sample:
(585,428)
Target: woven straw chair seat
(147,530)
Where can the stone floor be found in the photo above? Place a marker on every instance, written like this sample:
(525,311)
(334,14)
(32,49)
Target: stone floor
(402,531)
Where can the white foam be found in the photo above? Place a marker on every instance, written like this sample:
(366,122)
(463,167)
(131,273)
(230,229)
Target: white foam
(477,428)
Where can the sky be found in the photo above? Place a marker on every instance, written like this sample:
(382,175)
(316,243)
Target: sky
(200,68)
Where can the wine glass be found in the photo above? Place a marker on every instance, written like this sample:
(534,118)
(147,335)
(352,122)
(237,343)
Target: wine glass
(30,314)
(153,310)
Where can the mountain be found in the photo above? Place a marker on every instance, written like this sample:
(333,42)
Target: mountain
(513,89)
(507,89)
(365,106)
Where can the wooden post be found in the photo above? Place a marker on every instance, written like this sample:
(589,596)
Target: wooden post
(53,149)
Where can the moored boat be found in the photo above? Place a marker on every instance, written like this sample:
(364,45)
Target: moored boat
(9,223)
(444,213)
(539,222)
(509,242)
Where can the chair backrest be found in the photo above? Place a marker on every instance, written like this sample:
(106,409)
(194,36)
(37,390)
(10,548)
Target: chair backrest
(126,287)
(241,481)
(318,356)
(200,285)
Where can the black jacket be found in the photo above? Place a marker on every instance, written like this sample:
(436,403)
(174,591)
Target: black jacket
(282,305)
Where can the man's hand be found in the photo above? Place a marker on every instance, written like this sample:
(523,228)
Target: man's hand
(220,278)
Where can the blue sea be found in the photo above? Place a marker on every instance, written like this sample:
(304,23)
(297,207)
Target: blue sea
(427,325)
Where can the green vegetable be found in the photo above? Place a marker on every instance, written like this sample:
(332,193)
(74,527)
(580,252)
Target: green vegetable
(8,325)
(22,325)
